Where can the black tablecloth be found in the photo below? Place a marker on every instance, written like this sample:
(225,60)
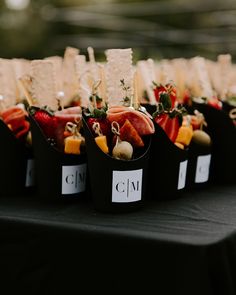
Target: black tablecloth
(182,246)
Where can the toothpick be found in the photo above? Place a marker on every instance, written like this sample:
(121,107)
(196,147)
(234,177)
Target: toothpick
(24,89)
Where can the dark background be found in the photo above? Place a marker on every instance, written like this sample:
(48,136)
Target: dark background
(157,29)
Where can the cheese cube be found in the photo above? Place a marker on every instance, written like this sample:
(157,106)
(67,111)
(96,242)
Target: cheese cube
(101,141)
(185,135)
(72,145)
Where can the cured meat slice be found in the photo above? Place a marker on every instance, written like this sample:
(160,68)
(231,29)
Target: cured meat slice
(13,113)
(14,117)
(130,134)
(141,122)
(72,114)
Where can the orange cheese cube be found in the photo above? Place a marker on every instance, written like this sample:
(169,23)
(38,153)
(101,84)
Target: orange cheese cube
(101,141)
(185,135)
(72,145)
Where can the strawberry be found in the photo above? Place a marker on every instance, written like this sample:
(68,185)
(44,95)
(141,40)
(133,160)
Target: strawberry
(169,125)
(167,89)
(159,88)
(47,122)
(215,103)
(105,125)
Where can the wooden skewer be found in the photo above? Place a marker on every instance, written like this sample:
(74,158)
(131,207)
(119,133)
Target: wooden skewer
(28,97)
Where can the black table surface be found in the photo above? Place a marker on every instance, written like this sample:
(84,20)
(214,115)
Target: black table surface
(181,246)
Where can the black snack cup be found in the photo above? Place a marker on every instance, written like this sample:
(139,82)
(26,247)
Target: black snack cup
(116,185)
(199,170)
(227,107)
(59,176)
(17,165)
(223,134)
(168,167)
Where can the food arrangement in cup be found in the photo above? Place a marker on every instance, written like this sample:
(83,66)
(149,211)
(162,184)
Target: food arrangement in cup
(119,126)
(61,94)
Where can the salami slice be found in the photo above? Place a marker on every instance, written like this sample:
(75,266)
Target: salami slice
(72,114)
(140,121)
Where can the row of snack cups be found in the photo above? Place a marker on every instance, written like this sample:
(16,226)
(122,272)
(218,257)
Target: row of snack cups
(162,172)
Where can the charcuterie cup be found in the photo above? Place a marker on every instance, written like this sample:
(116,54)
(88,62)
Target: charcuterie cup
(168,167)
(17,175)
(116,185)
(199,170)
(59,176)
(223,134)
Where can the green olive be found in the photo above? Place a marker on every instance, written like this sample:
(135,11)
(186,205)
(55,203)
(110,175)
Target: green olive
(123,150)
(201,137)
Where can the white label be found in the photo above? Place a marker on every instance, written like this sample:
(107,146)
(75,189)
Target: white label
(202,169)
(127,186)
(182,174)
(29,181)
(73,179)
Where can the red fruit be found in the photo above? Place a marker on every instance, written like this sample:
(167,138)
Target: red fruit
(215,103)
(169,89)
(173,128)
(47,122)
(105,125)
(162,120)
(158,90)
(169,125)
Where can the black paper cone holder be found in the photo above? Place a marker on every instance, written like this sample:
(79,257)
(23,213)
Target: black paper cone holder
(116,185)
(199,170)
(168,167)
(227,107)
(16,160)
(59,176)
(223,134)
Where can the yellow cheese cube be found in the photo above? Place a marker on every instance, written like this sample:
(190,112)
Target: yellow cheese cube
(72,145)
(101,141)
(185,135)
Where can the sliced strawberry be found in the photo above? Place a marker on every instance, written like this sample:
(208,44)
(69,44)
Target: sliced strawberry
(130,134)
(169,125)
(47,122)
